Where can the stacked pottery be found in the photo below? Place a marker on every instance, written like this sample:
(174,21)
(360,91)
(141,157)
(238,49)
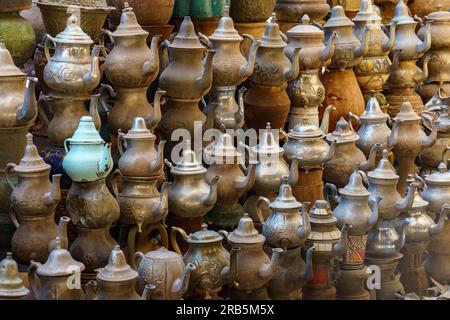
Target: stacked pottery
(267,99)
(307,91)
(438,69)
(353,209)
(33,203)
(373,71)
(290,11)
(420,231)
(250,269)
(230,69)
(271,170)
(404,73)
(11,284)
(288,229)
(142,206)
(92,208)
(186,78)
(18,113)
(225,161)
(152,15)
(329,243)
(305,144)
(341,86)
(16,32)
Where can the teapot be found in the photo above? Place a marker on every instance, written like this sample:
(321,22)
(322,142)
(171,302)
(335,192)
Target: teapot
(305,142)
(348,49)
(223,110)
(383,241)
(190,195)
(208,255)
(49,281)
(11,284)
(411,141)
(412,48)
(406,73)
(434,108)
(186,76)
(436,190)
(17,93)
(139,158)
(286,227)
(339,168)
(88,157)
(72,69)
(165,270)
(273,66)
(353,209)
(250,268)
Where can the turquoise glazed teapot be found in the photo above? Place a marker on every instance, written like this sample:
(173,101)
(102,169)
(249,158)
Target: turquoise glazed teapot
(88,157)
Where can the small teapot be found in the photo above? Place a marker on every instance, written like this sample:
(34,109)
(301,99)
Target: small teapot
(437,190)
(165,270)
(88,158)
(384,242)
(286,227)
(11,284)
(54,280)
(406,73)
(223,110)
(72,69)
(207,253)
(190,195)
(348,50)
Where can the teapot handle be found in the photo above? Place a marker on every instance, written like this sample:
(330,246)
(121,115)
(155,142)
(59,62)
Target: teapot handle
(32,279)
(13,217)
(364,177)
(444,153)
(246,37)
(334,192)
(204,40)
(103,33)
(120,142)
(48,38)
(160,227)
(136,260)
(173,238)
(66,145)
(9,168)
(115,188)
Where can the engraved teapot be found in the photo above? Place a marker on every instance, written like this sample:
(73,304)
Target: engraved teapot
(406,73)
(17,93)
(190,195)
(436,190)
(348,49)
(208,255)
(384,242)
(11,284)
(72,69)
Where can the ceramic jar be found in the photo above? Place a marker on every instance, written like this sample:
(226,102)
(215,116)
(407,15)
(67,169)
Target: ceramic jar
(249,11)
(292,10)
(11,287)
(148,13)
(199,9)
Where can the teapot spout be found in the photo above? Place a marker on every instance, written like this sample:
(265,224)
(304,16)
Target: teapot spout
(293,171)
(389,43)
(246,183)
(305,229)
(147,293)
(154,119)
(180,285)
(91,289)
(439,226)
(364,47)
(308,273)
(28,111)
(105,164)
(393,137)
(422,74)
(267,271)
(373,218)
(208,201)
(406,203)
(400,243)
(93,111)
(430,140)
(158,163)
(204,83)
(240,113)
(53,197)
(371,161)
(91,79)
(292,73)
(229,274)
(339,248)
(162,208)
(425,45)
(151,66)
(328,51)
(61,233)
(326,118)
(248,68)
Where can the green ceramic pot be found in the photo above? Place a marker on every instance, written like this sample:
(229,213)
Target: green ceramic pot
(18,35)
(199,9)
(250,11)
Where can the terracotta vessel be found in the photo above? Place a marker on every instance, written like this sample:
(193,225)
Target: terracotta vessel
(250,268)
(210,258)
(12,286)
(422,8)
(251,11)
(147,12)
(166,270)
(49,281)
(292,10)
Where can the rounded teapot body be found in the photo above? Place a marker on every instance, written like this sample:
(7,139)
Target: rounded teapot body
(307,90)
(269,172)
(12,92)
(388,190)
(409,141)
(137,159)
(419,224)
(311,150)
(282,226)
(227,193)
(354,211)
(407,41)
(55,288)
(371,133)
(227,63)
(270,67)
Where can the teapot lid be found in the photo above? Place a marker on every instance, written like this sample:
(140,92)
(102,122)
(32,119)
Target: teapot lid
(444,121)
(419,202)
(437,102)
(129,25)
(186,37)
(384,170)
(338,18)
(373,110)
(11,284)
(73,32)
(366,12)
(321,213)
(188,164)
(224,147)
(343,132)
(285,199)
(163,254)
(407,113)
(306,28)
(139,130)
(355,186)
(305,130)
(86,132)
(117,268)
(401,14)
(59,263)
(31,161)
(246,233)
(7,66)
(441,177)
(272,36)
(226,29)
(268,144)
(438,16)
(205,236)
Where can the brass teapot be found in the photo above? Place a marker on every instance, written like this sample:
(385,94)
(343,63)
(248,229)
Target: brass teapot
(250,268)
(339,168)
(190,195)
(436,190)
(11,284)
(139,158)
(287,227)
(406,73)
(72,69)
(273,66)
(165,270)
(17,93)
(208,255)
(57,278)
(348,49)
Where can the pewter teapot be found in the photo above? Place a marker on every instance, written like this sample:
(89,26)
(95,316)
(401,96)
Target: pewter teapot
(223,110)
(406,73)
(437,190)
(384,242)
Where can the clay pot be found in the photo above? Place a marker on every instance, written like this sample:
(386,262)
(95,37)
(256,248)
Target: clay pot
(250,10)
(148,12)
(425,7)
(309,186)
(293,10)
